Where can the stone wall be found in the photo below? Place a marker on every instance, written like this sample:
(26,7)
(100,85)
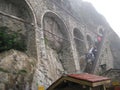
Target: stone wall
(115,48)
(18,19)
(105,61)
(58,34)
(68,14)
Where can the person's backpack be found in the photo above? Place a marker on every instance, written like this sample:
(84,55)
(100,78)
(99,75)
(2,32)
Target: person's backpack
(88,56)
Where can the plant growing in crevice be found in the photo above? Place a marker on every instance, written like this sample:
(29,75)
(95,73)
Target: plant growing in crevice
(23,71)
(3,70)
(11,40)
(46,40)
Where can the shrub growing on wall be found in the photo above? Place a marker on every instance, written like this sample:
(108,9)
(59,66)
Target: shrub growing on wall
(11,40)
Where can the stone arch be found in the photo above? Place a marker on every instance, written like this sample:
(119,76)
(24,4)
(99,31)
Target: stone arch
(57,42)
(79,41)
(80,47)
(101,31)
(89,40)
(78,34)
(18,15)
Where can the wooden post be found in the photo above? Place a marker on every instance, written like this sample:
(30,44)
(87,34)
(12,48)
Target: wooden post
(90,88)
(104,87)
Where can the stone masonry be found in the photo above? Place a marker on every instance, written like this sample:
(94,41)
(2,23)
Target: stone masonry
(58,34)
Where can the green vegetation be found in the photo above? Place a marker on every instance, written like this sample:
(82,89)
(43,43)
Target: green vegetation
(11,40)
(3,70)
(22,71)
(46,40)
(18,72)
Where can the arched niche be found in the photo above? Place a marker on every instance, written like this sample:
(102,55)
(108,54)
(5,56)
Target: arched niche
(57,42)
(80,47)
(18,16)
(89,40)
(79,41)
(78,34)
(101,31)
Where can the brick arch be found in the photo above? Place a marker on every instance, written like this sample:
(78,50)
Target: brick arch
(18,15)
(57,39)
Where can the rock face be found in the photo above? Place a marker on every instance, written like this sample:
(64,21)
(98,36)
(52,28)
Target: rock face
(114,75)
(16,70)
(115,48)
(58,34)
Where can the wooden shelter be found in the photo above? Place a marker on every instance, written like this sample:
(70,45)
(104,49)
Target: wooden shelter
(83,81)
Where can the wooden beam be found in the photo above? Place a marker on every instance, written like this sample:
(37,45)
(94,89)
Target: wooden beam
(56,35)
(100,83)
(16,18)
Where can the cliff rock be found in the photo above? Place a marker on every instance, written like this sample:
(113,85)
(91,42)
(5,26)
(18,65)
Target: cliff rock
(16,70)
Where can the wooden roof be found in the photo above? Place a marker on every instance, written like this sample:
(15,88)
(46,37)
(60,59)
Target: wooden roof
(82,79)
(88,77)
